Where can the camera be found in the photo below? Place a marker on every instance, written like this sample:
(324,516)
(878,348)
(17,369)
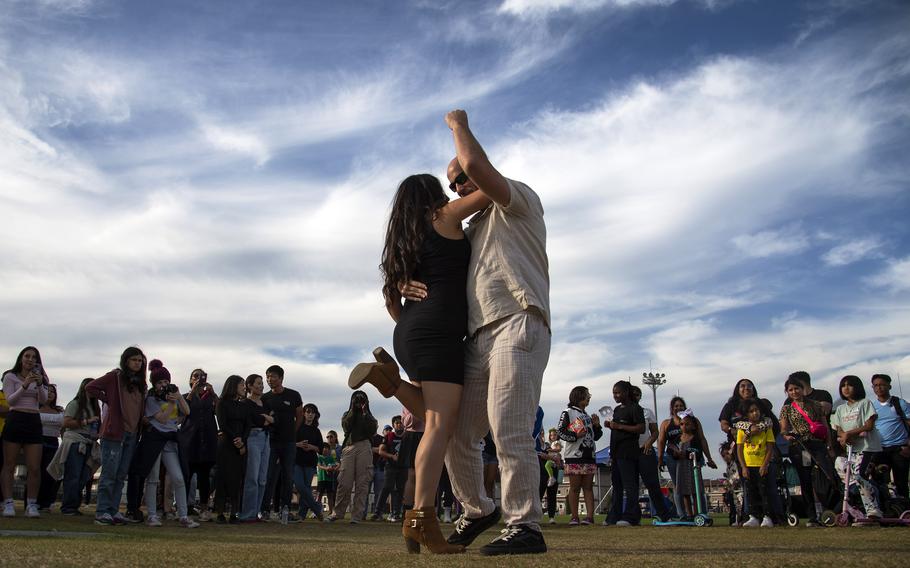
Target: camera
(168,389)
(202,378)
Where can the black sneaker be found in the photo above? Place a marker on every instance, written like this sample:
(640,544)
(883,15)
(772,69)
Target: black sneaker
(466,530)
(516,540)
(135,516)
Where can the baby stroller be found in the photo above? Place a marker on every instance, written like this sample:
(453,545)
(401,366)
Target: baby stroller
(785,473)
(826,489)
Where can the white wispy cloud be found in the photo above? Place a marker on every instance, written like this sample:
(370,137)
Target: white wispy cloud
(168,217)
(771,243)
(852,251)
(895,277)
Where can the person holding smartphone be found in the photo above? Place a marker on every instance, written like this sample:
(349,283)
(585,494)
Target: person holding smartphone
(356,469)
(198,440)
(25,387)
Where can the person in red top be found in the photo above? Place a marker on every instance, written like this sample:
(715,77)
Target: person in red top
(123,393)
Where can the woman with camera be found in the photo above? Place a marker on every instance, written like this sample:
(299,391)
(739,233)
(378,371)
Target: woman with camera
(165,409)
(123,390)
(25,387)
(356,470)
(199,439)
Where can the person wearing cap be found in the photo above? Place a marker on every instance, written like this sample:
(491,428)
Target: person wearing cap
(164,409)
(395,475)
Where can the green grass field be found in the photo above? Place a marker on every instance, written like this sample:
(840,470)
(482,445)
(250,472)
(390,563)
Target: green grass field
(380,544)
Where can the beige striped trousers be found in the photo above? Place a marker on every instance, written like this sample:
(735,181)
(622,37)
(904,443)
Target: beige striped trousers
(504,365)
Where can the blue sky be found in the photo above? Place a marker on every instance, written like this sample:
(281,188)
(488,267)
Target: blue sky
(725,182)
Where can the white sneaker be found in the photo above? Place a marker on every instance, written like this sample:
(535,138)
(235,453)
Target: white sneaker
(552,520)
(205,516)
(551,482)
(767,522)
(623,524)
(752,522)
(154,521)
(31,511)
(188,523)
(9,510)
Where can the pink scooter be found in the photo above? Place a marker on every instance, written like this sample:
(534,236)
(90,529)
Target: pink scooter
(857,515)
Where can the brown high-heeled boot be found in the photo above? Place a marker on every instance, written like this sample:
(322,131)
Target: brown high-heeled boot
(422,527)
(383,375)
(382,356)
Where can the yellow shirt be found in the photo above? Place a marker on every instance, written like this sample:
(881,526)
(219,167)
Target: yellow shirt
(755,447)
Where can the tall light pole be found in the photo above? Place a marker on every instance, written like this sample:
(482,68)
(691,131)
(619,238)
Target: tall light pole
(654,380)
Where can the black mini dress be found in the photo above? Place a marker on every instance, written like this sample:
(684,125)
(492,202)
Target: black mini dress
(429,336)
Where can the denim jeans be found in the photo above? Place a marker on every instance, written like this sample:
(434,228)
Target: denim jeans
(303,480)
(257,472)
(670,462)
(376,485)
(281,469)
(650,477)
(75,476)
(172,464)
(115,465)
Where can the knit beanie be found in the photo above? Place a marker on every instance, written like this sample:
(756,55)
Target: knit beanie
(158,372)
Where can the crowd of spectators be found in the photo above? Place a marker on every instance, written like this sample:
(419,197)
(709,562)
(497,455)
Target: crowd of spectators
(244,455)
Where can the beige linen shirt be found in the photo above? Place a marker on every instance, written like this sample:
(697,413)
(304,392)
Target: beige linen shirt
(509,271)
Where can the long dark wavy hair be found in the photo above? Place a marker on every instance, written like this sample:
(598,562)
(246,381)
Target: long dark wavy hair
(129,379)
(416,202)
(17,368)
(84,402)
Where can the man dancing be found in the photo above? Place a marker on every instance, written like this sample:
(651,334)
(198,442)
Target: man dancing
(506,352)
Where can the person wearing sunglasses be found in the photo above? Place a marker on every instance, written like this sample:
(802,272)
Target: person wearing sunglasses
(507,350)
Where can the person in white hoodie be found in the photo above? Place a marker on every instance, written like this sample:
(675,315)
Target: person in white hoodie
(579,432)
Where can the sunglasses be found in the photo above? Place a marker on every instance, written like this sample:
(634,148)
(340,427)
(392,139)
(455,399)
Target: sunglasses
(460,179)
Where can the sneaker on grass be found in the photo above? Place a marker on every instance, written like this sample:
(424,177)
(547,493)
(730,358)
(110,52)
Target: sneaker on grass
(104,519)
(515,540)
(154,521)
(467,529)
(188,523)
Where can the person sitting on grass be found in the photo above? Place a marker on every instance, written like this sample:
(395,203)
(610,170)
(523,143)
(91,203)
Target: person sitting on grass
(754,452)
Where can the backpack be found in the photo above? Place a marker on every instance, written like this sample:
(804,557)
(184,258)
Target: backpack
(896,403)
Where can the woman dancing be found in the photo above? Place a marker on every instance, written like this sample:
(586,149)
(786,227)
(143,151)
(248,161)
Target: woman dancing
(425,242)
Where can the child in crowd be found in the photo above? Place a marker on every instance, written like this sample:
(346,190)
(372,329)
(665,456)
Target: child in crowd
(754,453)
(854,423)
(691,439)
(325,476)
(554,463)
(733,493)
